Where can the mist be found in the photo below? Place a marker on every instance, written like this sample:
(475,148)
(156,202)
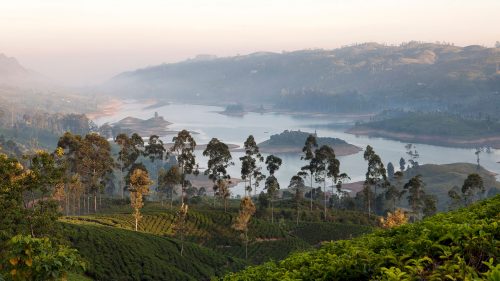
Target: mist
(89,42)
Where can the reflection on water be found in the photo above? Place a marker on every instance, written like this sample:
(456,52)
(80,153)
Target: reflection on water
(208,123)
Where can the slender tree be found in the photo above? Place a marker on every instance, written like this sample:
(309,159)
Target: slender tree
(247,210)
(180,224)
(416,195)
(390,170)
(219,159)
(130,151)
(272,185)
(183,148)
(249,168)
(297,184)
(376,176)
(402,164)
(167,180)
(139,187)
(156,152)
(310,168)
(327,165)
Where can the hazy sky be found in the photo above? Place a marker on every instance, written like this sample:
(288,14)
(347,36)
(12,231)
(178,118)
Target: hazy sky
(88,41)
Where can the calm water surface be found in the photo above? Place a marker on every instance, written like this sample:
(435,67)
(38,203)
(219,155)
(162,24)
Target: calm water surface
(208,123)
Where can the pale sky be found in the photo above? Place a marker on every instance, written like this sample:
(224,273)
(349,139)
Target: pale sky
(83,42)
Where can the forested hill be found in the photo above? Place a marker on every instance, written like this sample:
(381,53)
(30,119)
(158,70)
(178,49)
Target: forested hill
(363,77)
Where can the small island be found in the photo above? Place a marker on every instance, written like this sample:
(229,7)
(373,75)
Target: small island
(436,128)
(234,110)
(156,125)
(293,142)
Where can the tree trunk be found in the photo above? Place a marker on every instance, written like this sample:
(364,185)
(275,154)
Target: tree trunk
(298,213)
(311,192)
(136,223)
(246,243)
(172,197)
(324,195)
(272,211)
(95,202)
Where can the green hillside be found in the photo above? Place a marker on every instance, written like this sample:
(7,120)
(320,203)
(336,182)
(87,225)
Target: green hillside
(439,179)
(118,254)
(211,229)
(459,245)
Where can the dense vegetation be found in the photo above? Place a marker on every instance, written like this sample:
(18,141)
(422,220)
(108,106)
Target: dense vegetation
(460,245)
(195,236)
(117,254)
(297,139)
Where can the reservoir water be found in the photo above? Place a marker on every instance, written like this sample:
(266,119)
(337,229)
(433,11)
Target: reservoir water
(208,123)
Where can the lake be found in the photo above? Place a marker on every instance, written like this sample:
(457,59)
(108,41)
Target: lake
(208,123)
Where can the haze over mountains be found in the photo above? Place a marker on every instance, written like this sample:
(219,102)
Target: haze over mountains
(425,75)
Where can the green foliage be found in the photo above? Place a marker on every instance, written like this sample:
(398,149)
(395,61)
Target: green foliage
(460,245)
(118,254)
(38,259)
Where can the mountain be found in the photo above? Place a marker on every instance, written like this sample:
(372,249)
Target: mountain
(12,73)
(363,77)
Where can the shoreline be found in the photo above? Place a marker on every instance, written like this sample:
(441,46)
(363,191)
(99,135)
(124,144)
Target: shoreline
(110,109)
(457,142)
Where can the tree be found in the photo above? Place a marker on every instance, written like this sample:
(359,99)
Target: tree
(38,259)
(219,159)
(472,188)
(247,210)
(456,199)
(155,151)
(411,151)
(183,148)
(416,194)
(130,151)
(272,185)
(376,176)
(309,169)
(477,152)
(249,168)
(393,193)
(402,164)
(297,184)
(139,187)
(390,170)
(94,164)
(167,180)
(327,165)
(398,217)
(180,224)
(430,208)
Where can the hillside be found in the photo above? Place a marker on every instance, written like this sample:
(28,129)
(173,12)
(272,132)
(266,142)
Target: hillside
(213,246)
(460,243)
(359,78)
(433,128)
(293,141)
(439,179)
(117,254)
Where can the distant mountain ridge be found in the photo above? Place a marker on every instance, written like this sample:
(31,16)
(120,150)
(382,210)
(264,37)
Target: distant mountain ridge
(367,75)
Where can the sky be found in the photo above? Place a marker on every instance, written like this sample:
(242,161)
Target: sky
(86,42)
